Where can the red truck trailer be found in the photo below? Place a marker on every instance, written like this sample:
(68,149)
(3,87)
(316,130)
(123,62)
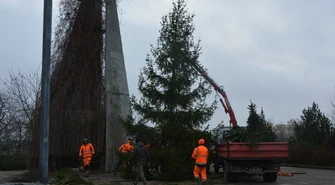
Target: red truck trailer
(245,158)
(242,158)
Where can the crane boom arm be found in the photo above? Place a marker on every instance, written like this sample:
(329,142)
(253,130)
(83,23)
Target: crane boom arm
(226,105)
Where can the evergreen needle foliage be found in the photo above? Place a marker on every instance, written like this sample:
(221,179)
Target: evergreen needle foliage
(69,177)
(257,130)
(173,95)
(314,129)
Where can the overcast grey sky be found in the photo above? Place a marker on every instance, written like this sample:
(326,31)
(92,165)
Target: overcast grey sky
(279,53)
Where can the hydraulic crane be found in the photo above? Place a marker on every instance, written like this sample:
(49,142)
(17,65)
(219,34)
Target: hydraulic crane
(226,105)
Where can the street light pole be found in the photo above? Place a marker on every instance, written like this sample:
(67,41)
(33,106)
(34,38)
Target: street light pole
(45,93)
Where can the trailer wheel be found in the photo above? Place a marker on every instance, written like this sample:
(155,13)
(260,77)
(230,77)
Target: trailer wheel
(270,177)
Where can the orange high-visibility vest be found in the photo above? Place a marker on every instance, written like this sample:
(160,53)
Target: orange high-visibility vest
(86,150)
(126,148)
(200,155)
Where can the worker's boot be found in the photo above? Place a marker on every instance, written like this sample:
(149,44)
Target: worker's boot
(81,169)
(116,171)
(198,181)
(86,173)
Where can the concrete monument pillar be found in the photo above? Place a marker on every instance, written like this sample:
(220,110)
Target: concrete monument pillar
(117,93)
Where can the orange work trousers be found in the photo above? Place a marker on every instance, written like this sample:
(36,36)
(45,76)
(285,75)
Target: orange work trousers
(86,161)
(200,171)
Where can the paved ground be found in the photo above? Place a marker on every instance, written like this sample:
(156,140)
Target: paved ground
(302,176)
(310,177)
(5,175)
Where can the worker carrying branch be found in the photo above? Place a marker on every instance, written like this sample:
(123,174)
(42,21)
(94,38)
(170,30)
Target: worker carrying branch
(125,150)
(200,155)
(86,153)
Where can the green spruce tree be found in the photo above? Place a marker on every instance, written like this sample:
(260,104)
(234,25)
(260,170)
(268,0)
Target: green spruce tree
(254,120)
(258,128)
(173,94)
(268,134)
(314,128)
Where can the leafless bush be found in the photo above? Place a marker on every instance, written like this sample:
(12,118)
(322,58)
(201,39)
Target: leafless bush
(283,131)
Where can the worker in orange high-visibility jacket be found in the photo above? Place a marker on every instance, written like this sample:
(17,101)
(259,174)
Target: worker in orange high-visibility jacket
(127,147)
(200,155)
(125,150)
(86,152)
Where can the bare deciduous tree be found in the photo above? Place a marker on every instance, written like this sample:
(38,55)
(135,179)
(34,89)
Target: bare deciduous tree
(290,124)
(333,111)
(24,92)
(284,131)
(280,130)
(7,117)
(22,96)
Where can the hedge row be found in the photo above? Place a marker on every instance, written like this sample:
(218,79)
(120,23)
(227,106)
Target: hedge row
(13,162)
(306,156)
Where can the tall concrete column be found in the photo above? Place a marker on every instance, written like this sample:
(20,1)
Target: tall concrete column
(117,93)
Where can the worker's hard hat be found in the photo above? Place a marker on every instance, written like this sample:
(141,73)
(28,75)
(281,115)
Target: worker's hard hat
(201,142)
(85,139)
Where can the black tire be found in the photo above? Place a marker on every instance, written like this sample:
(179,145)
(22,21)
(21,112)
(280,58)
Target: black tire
(270,177)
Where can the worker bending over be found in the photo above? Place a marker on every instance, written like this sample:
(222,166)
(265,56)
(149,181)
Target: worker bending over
(200,155)
(86,152)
